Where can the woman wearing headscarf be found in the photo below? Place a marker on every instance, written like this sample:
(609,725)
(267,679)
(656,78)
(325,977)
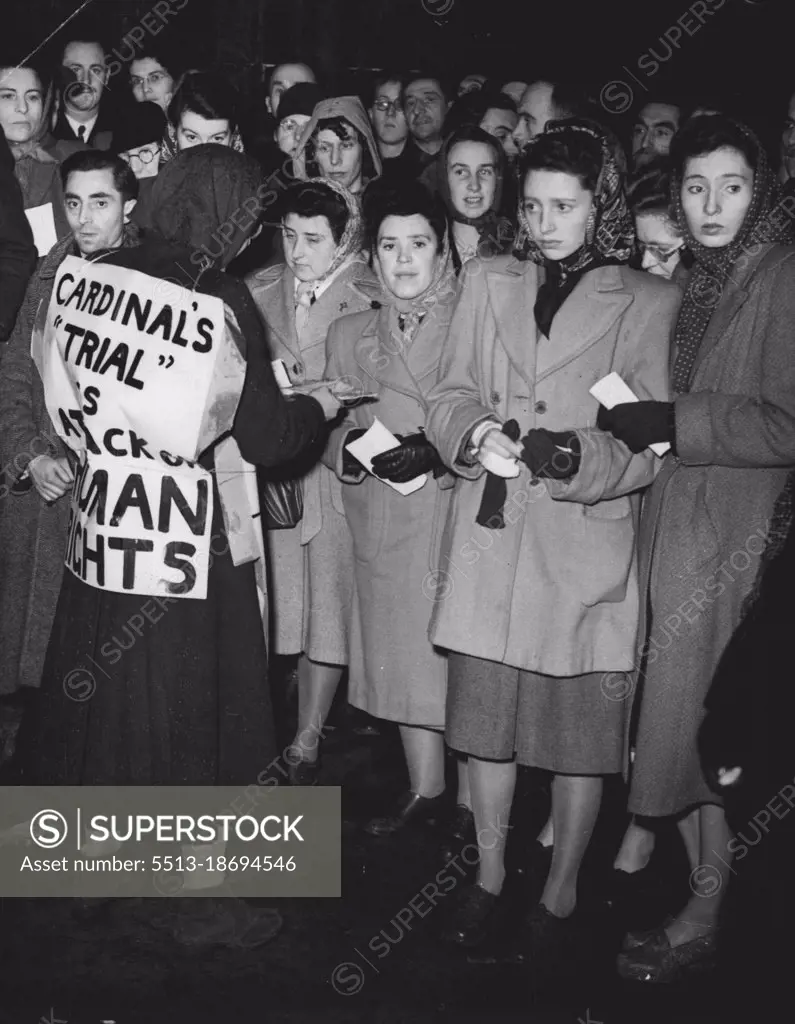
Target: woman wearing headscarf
(731,427)
(323,277)
(25,115)
(541,590)
(471,174)
(204,109)
(338,144)
(187,703)
(395,673)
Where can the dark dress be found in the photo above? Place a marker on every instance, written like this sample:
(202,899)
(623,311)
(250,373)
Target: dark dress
(149,691)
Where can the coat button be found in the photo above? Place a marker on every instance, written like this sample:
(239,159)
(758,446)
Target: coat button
(540,407)
(495,397)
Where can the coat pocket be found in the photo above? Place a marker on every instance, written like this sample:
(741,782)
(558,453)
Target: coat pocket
(607,552)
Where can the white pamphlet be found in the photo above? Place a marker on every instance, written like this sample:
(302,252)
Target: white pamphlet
(282,376)
(376,440)
(42,224)
(612,390)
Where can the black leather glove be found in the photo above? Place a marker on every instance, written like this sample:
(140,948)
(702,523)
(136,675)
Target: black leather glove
(350,464)
(415,455)
(550,454)
(639,424)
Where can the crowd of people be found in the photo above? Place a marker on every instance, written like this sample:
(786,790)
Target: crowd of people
(524,574)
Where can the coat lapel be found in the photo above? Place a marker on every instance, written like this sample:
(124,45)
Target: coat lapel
(281,313)
(385,358)
(512,292)
(586,316)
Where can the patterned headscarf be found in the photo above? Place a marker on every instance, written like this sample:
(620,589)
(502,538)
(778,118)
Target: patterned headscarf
(609,233)
(767,220)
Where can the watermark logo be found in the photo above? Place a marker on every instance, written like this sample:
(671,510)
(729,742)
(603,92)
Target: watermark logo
(48,829)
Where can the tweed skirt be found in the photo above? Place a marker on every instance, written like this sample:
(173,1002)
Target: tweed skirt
(569,725)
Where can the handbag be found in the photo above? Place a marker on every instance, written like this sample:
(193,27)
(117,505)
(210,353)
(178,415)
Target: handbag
(281,503)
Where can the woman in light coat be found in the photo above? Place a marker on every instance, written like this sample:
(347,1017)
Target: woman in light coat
(538,578)
(707,518)
(324,277)
(395,671)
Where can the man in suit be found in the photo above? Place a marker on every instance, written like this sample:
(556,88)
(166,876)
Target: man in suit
(82,113)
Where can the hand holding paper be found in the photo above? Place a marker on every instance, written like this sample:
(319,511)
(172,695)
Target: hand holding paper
(632,425)
(374,441)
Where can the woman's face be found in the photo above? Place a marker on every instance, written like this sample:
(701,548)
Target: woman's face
(716,192)
(289,132)
(660,243)
(408,253)
(309,246)
(340,159)
(144,161)
(502,124)
(472,177)
(21,103)
(557,208)
(151,82)
(195,130)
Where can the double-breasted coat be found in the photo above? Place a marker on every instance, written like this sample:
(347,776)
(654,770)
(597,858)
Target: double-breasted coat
(32,533)
(705,519)
(556,591)
(395,672)
(311,564)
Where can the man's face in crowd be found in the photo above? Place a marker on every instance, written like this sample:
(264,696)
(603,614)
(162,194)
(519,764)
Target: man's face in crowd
(86,61)
(425,108)
(535,109)
(96,210)
(472,83)
(654,128)
(387,115)
(284,77)
(788,140)
(501,124)
(515,90)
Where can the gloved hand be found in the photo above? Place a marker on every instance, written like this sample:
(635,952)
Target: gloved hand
(550,454)
(350,464)
(639,424)
(415,455)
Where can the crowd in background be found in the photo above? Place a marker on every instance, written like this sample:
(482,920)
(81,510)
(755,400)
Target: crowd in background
(522,579)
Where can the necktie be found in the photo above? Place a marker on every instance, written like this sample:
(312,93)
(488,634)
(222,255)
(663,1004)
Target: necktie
(81,133)
(304,298)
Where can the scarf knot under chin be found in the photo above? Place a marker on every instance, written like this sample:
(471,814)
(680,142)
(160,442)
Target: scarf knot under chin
(412,311)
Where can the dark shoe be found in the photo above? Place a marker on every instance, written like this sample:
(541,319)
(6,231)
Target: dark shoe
(411,807)
(543,937)
(303,773)
(460,832)
(207,921)
(651,937)
(472,916)
(660,963)
(362,724)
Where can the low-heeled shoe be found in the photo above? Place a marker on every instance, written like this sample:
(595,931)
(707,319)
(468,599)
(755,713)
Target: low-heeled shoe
(411,807)
(471,917)
(658,962)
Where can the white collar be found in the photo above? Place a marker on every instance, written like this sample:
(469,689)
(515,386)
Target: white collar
(88,125)
(321,286)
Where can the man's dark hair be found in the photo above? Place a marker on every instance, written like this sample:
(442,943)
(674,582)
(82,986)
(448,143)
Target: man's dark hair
(344,130)
(470,109)
(124,181)
(571,99)
(668,99)
(408,198)
(207,94)
(706,133)
(314,199)
(83,31)
(382,78)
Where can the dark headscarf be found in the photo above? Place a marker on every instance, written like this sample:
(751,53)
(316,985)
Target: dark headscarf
(610,232)
(493,230)
(713,266)
(208,199)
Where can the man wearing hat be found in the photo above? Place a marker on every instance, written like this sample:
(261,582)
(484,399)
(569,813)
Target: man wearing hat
(137,141)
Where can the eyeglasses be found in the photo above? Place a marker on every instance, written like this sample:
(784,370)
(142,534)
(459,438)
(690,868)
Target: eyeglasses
(290,126)
(384,106)
(146,156)
(659,252)
(155,78)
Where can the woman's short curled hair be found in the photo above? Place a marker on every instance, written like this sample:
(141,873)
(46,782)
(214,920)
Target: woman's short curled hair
(207,94)
(650,192)
(569,152)
(315,199)
(408,198)
(705,133)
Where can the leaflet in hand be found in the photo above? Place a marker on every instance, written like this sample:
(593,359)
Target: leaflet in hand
(42,224)
(376,440)
(612,390)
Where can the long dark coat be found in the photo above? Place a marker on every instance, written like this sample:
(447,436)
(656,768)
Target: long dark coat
(17,251)
(32,533)
(706,517)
